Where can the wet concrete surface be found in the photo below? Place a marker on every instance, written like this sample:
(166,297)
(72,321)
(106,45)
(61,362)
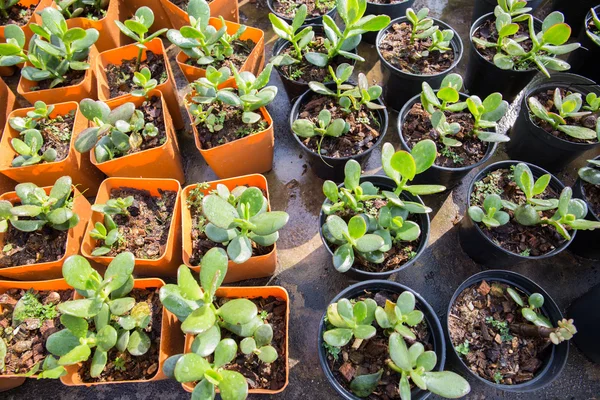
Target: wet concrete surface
(305,269)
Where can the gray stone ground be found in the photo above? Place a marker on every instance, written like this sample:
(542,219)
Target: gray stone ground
(305,269)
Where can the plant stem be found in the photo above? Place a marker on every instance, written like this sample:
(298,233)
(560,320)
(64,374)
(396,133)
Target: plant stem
(532,330)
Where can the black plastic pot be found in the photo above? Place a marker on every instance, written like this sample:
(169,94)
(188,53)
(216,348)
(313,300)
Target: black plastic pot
(484,78)
(529,142)
(586,243)
(587,319)
(574,11)
(481,248)
(399,86)
(307,21)
(433,323)
(583,60)
(329,167)
(555,360)
(482,7)
(393,10)
(448,177)
(384,183)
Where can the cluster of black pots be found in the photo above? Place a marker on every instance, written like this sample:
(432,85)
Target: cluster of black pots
(583,61)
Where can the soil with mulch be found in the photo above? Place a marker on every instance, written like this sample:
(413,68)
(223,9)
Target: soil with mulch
(305,72)
(363,134)
(396,48)
(241,51)
(487,31)
(546,98)
(519,239)
(120,77)
(233,128)
(142,367)
(57,135)
(18,15)
(485,316)
(287,8)
(372,354)
(26,340)
(72,78)
(592,197)
(146,229)
(417,126)
(26,248)
(397,256)
(153,113)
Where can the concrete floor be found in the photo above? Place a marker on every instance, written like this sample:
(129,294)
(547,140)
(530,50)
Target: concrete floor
(305,269)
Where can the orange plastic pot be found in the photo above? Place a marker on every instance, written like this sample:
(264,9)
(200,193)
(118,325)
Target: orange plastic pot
(171,342)
(253,292)
(76,165)
(10,381)
(254,63)
(50,269)
(167,263)
(41,4)
(7,104)
(161,18)
(85,88)
(257,266)
(226,8)
(116,56)
(163,161)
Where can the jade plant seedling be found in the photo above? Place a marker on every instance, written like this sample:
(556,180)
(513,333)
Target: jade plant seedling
(593,34)
(397,317)
(39,209)
(108,232)
(514,7)
(200,41)
(422,28)
(118,321)
(260,344)
(567,107)
(350,321)
(546,45)
(590,173)
(491,215)
(144,81)
(76,8)
(299,38)
(137,27)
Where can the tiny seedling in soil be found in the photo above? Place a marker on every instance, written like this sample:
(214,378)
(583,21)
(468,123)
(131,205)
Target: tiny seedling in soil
(90,9)
(590,176)
(11,12)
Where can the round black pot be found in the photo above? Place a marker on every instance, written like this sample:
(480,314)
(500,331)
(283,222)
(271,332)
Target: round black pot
(586,243)
(435,328)
(583,60)
(587,319)
(553,363)
(329,167)
(482,7)
(484,78)
(294,88)
(574,11)
(394,10)
(481,248)
(384,183)
(307,21)
(399,86)
(529,142)
(448,177)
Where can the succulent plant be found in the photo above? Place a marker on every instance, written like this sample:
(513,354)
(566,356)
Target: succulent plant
(396,316)
(590,173)
(137,27)
(299,39)
(422,28)
(350,321)
(491,215)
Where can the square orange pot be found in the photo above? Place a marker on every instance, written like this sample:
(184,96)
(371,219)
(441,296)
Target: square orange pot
(7,104)
(85,88)
(254,63)
(76,165)
(252,292)
(257,266)
(50,269)
(163,161)
(41,4)
(167,263)
(116,56)
(10,381)
(226,8)
(171,343)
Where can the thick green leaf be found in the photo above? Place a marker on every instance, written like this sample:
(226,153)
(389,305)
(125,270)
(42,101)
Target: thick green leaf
(364,385)
(238,311)
(446,384)
(338,337)
(190,368)
(225,352)
(199,321)
(139,343)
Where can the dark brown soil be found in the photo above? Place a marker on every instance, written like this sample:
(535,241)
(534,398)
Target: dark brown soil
(57,134)
(72,78)
(395,47)
(592,197)
(142,367)
(417,126)
(315,8)
(487,31)
(153,113)
(18,15)
(26,248)
(305,72)
(495,353)
(363,133)
(241,51)
(547,100)
(525,240)
(372,354)
(27,346)
(120,77)
(146,228)
(400,253)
